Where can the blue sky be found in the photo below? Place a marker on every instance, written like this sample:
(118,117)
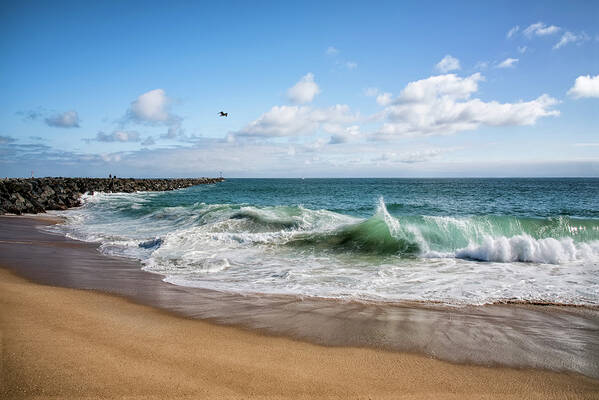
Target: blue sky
(313,89)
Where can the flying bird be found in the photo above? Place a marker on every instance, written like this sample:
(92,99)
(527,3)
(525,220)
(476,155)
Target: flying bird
(223,114)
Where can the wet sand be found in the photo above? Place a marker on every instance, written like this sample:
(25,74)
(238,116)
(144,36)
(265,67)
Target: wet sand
(66,343)
(73,343)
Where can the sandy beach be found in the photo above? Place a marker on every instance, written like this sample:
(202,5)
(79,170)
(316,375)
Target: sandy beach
(67,343)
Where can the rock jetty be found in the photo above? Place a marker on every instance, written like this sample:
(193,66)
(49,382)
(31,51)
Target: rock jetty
(36,195)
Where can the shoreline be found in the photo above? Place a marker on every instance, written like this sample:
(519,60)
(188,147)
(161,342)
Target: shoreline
(522,336)
(53,219)
(66,343)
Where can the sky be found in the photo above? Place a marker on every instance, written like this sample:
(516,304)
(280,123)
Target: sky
(312,89)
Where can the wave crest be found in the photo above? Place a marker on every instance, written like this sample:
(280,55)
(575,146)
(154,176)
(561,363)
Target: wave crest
(522,248)
(188,228)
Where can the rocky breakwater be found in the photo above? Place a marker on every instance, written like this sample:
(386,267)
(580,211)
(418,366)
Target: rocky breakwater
(36,195)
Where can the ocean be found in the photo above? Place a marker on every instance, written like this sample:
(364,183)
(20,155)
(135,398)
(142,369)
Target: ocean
(449,241)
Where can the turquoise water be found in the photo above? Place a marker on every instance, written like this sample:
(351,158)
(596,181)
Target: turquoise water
(456,241)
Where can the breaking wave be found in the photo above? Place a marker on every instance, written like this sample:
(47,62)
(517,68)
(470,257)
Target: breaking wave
(294,249)
(482,238)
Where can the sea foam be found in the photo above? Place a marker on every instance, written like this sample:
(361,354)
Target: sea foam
(298,250)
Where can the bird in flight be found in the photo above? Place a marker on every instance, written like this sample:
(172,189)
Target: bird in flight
(223,114)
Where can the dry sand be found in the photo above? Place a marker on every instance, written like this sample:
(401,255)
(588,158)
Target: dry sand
(67,343)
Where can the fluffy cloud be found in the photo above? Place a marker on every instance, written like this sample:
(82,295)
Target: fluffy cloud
(297,120)
(442,105)
(175,130)
(508,63)
(281,121)
(351,65)
(450,86)
(585,86)
(541,29)
(512,31)
(118,136)
(569,37)
(384,99)
(67,119)
(348,134)
(448,63)
(151,106)
(304,91)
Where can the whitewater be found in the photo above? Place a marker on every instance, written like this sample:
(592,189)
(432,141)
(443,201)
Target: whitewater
(468,241)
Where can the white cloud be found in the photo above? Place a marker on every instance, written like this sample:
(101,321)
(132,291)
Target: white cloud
(569,37)
(67,119)
(351,65)
(281,121)
(513,31)
(315,146)
(541,29)
(412,157)
(384,99)
(450,86)
(175,130)
(304,91)
(442,105)
(111,157)
(298,121)
(585,86)
(349,134)
(317,158)
(332,51)
(118,136)
(151,107)
(448,63)
(522,49)
(508,63)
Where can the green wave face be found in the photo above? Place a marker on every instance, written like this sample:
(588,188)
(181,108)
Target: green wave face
(413,235)
(370,236)
(447,234)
